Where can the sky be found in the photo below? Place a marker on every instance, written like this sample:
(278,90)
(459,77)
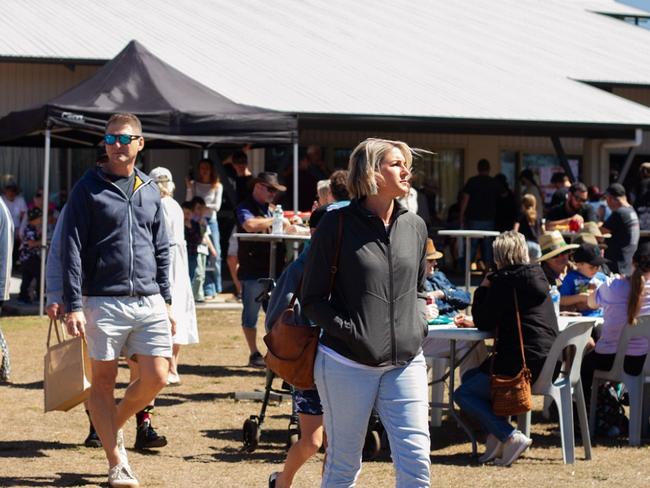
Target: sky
(642,4)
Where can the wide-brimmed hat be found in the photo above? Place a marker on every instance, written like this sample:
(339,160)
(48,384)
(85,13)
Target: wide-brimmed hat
(432,252)
(270,179)
(552,244)
(589,253)
(586,237)
(160,175)
(593,229)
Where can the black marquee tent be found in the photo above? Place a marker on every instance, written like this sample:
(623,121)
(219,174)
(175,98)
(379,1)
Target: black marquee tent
(175,110)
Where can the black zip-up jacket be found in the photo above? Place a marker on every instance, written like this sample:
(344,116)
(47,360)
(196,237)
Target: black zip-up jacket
(113,245)
(376,313)
(495,305)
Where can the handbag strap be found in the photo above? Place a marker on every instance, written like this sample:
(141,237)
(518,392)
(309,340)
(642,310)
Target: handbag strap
(521,337)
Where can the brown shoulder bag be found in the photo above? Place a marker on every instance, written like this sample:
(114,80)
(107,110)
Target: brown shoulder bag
(291,347)
(511,395)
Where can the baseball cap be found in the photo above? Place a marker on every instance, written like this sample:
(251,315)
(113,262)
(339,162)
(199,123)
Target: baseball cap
(590,254)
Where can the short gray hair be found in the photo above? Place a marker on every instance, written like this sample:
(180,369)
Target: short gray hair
(510,248)
(365,161)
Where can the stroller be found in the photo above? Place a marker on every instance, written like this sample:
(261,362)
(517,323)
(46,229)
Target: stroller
(252,428)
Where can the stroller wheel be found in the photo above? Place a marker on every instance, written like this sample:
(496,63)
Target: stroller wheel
(251,433)
(372,446)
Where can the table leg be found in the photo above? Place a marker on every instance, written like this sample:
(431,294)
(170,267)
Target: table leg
(468,262)
(452,410)
(273,260)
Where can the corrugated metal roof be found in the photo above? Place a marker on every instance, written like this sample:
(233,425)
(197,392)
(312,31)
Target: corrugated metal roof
(479,59)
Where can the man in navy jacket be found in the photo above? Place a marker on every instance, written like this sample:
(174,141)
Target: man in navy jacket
(115,263)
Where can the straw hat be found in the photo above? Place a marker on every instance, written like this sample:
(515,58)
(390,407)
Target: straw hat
(432,252)
(594,229)
(552,244)
(586,237)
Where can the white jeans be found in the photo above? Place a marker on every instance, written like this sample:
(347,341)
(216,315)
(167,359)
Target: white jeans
(399,395)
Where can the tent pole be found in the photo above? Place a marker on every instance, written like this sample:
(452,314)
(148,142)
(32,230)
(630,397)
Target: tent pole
(295,177)
(46,201)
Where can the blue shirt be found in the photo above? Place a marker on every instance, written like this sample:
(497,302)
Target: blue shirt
(454,299)
(575,282)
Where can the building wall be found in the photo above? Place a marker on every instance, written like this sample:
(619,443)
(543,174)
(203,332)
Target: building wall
(474,147)
(23,85)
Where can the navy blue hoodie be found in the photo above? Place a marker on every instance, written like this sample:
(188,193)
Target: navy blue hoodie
(114,246)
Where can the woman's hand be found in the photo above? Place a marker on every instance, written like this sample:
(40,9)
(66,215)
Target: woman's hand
(462,321)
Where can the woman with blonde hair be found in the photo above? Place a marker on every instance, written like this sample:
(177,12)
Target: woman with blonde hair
(516,285)
(208,187)
(373,321)
(530,225)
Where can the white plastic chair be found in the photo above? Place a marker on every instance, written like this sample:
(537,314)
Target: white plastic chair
(567,387)
(634,384)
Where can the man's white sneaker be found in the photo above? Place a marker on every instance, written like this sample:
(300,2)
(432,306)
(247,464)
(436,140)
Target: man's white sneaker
(493,449)
(121,476)
(516,444)
(120,447)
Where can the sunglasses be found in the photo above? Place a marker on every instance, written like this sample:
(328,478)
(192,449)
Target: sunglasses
(110,139)
(270,189)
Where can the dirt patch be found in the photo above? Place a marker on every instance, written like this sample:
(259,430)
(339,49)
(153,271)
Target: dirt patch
(203,423)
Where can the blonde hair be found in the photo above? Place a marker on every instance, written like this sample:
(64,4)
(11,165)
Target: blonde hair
(365,161)
(323,188)
(529,207)
(166,188)
(510,248)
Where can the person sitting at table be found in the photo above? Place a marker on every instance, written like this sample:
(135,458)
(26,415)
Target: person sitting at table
(444,299)
(579,282)
(530,225)
(555,256)
(574,208)
(494,308)
(623,299)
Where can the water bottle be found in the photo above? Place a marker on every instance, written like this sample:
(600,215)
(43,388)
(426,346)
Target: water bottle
(555,298)
(278,220)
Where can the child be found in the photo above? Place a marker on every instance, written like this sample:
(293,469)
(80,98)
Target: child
(203,249)
(192,237)
(30,253)
(579,282)
(530,225)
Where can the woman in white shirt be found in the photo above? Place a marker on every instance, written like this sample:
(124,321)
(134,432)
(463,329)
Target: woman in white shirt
(208,187)
(183,309)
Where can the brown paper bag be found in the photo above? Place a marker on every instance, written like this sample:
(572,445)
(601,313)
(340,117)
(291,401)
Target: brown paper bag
(67,372)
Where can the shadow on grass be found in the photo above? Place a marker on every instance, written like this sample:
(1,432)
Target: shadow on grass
(34,385)
(29,448)
(166,399)
(60,479)
(216,371)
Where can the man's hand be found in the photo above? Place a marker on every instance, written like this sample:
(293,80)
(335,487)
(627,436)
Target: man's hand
(53,311)
(438,294)
(75,323)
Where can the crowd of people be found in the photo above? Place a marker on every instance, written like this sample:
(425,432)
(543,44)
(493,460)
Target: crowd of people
(127,264)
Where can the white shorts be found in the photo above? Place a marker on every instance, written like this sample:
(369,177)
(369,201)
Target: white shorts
(132,325)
